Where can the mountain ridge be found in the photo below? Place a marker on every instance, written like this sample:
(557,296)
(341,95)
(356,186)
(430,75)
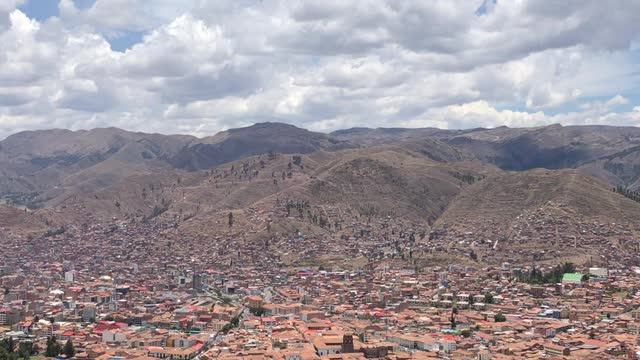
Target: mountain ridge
(484,190)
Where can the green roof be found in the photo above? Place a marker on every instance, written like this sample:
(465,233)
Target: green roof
(572,277)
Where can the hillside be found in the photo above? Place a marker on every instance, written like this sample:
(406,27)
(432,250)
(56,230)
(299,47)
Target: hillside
(20,222)
(42,168)
(532,214)
(429,196)
(608,152)
(257,139)
(378,181)
(52,164)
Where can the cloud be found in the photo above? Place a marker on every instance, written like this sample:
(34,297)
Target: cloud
(482,114)
(203,66)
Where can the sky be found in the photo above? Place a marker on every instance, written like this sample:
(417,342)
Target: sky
(201,66)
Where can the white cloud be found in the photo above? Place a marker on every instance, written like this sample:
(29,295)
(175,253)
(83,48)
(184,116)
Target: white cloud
(482,114)
(204,66)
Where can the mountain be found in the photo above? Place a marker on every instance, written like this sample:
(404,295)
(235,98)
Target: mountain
(40,167)
(608,152)
(257,139)
(540,215)
(20,222)
(507,195)
(54,161)
(380,181)
(364,196)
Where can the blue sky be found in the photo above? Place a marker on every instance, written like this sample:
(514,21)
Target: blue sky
(42,10)
(199,67)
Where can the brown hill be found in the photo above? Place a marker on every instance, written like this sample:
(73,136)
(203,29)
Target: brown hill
(377,181)
(257,139)
(608,152)
(541,215)
(54,162)
(501,198)
(283,183)
(51,165)
(22,222)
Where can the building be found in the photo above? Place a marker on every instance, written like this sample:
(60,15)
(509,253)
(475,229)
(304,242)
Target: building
(600,273)
(347,343)
(572,278)
(89,313)
(10,316)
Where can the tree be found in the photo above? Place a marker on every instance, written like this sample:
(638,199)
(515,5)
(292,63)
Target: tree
(53,348)
(7,344)
(568,267)
(473,255)
(69,350)
(4,355)
(488,298)
(25,349)
(257,311)
(230,219)
(499,317)
(454,311)
(232,324)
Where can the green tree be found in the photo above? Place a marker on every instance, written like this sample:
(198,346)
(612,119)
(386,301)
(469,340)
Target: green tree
(53,348)
(488,298)
(568,268)
(499,317)
(4,355)
(25,349)
(69,350)
(7,344)
(230,219)
(257,311)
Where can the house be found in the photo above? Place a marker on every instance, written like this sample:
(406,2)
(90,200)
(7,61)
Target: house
(10,316)
(600,273)
(546,331)
(269,322)
(326,346)
(114,336)
(424,342)
(556,350)
(174,353)
(24,326)
(254,301)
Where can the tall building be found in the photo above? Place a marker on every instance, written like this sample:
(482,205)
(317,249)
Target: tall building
(347,343)
(197,282)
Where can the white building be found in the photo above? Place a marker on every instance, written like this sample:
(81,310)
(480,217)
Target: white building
(599,272)
(114,336)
